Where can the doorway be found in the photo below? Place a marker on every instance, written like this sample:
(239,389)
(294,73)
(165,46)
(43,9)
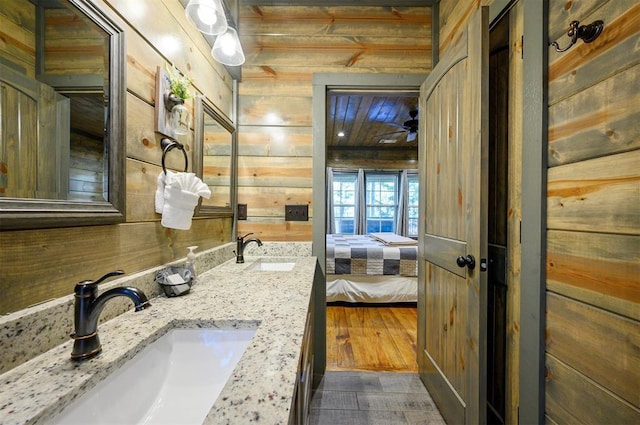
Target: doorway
(372,166)
(321,84)
(498,241)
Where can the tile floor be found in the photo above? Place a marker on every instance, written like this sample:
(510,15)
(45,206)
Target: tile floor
(372,398)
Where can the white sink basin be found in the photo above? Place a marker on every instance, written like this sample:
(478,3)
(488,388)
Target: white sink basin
(175,379)
(271,266)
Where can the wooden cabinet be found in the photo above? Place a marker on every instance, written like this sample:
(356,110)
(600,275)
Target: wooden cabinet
(302,393)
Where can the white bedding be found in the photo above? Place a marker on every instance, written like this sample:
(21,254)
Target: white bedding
(375,268)
(367,255)
(393,239)
(371,289)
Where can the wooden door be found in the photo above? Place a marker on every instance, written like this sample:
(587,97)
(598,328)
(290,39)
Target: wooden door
(453,241)
(34,138)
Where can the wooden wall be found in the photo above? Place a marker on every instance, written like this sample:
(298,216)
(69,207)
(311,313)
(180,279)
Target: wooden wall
(18,32)
(37,265)
(593,218)
(284,46)
(373,159)
(72,44)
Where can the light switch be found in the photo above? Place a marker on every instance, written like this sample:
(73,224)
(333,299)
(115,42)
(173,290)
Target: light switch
(242,211)
(296,212)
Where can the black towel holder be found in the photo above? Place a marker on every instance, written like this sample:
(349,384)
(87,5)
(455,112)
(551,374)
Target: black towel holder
(168,144)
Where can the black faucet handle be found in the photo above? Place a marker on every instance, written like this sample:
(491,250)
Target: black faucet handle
(86,283)
(242,237)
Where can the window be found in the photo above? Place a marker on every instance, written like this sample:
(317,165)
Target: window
(381,198)
(382,201)
(412,205)
(344,202)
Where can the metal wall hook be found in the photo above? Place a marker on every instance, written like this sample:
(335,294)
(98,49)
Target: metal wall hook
(586,33)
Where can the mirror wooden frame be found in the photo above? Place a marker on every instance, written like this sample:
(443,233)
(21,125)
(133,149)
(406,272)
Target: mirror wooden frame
(36,213)
(203,107)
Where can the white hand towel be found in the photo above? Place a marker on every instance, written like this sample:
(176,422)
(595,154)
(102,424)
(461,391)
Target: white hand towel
(179,196)
(162,181)
(178,208)
(190,182)
(202,189)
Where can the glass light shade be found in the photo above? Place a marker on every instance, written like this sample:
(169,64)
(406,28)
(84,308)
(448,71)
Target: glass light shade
(180,119)
(207,15)
(227,49)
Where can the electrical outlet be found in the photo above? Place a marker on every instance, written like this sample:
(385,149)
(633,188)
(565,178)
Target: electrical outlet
(296,212)
(242,211)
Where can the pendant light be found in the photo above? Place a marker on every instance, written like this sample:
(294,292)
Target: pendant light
(207,15)
(227,49)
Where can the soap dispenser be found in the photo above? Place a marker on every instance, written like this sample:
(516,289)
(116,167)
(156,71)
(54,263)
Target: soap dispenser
(191,261)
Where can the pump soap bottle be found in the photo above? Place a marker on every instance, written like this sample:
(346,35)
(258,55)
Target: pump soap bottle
(191,262)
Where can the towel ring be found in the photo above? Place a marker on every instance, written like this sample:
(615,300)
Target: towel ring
(167,145)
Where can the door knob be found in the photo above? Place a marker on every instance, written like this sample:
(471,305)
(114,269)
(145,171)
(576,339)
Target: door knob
(468,261)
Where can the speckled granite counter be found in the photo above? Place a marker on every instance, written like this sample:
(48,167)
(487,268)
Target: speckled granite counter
(262,384)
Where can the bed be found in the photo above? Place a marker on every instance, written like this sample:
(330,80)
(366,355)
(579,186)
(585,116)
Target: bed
(374,268)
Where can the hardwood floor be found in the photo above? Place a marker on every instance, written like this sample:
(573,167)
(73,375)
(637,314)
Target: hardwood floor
(371,338)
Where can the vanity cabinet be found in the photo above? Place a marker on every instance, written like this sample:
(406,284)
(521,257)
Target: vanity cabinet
(302,392)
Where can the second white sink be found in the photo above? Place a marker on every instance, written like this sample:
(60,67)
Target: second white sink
(271,266)
(175,379)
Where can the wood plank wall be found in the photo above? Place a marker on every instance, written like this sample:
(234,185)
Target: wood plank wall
(284,46)
(73,46)
(593,218)
(37,265)
(18,32)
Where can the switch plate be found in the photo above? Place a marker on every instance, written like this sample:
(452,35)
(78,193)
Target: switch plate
(242,211)
(296,212)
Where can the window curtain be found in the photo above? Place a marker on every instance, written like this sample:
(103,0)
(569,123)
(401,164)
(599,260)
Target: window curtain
(361,204)
(403,201)
(331,222)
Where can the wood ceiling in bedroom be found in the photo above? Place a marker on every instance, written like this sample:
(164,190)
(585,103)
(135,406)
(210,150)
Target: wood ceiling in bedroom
(370,119)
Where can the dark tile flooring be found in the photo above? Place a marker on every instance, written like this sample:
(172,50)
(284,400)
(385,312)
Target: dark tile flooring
(373,398)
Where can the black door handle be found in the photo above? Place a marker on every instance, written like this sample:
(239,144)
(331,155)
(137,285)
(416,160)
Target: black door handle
(468,261)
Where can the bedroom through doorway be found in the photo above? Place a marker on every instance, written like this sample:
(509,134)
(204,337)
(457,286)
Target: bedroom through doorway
(371,228)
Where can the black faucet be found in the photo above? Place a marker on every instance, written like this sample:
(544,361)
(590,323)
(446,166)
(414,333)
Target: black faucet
(87,311)
(241,244)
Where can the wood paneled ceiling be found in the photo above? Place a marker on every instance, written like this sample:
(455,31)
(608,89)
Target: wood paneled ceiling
(372,119)
(87,114)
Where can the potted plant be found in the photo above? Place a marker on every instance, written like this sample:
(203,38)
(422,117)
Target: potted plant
(179,84)
(174,100)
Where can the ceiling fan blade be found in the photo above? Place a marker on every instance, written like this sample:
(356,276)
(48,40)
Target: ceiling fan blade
(388,134)
(396,125)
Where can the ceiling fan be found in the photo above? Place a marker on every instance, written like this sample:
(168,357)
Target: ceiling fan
(409,126)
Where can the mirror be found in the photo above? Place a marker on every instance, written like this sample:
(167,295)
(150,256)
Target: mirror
(214,159)
(62,94)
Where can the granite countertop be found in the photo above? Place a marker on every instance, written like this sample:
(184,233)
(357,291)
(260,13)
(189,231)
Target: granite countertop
(262,384)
